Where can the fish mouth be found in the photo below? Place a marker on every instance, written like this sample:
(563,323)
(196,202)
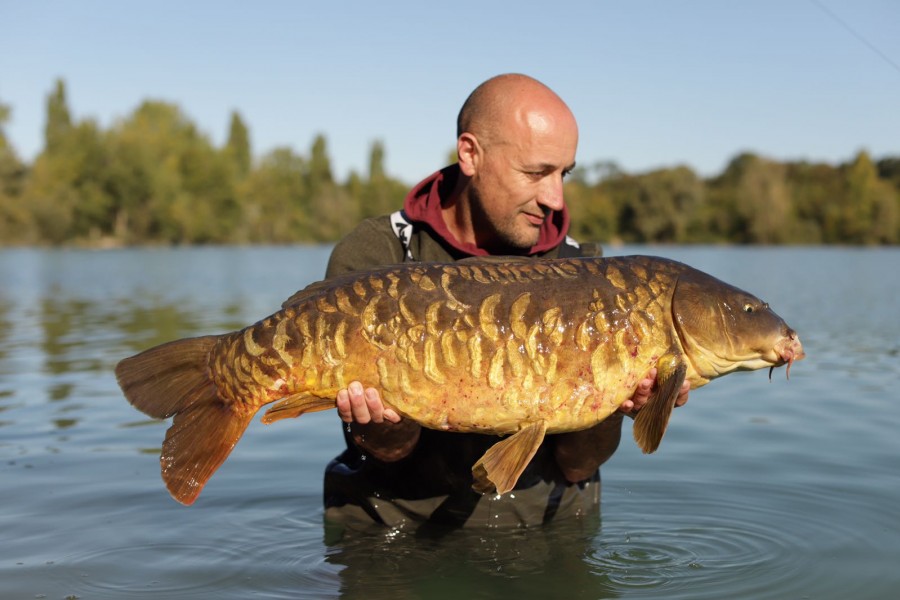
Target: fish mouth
(787,349)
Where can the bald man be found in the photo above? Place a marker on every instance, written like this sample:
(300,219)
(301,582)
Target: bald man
(516,142)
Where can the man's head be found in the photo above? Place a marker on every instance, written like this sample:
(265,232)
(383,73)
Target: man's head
(516,141)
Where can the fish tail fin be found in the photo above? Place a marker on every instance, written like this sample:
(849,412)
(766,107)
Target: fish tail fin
(652,420)
(173,380)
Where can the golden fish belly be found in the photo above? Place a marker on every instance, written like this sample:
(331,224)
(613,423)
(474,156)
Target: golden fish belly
(479,347)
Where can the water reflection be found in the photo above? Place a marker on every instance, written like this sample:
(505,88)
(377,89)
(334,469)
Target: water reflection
(523,562)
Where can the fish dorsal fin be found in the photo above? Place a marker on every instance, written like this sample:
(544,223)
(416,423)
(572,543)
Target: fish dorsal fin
(494,259)
(301,296)
(293,406)
(500,467)
(650,424)
(345,279)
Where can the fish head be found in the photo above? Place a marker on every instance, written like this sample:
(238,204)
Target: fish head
(724,329)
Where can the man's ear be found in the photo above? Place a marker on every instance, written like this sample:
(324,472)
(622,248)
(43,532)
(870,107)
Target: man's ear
(470,153)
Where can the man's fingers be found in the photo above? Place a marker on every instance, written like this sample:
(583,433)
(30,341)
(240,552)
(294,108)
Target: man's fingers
(373,403)
(343,406)
(358,406)
(391,415)
(683,394)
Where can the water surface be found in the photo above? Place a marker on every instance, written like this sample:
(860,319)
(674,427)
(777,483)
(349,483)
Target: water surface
(781,489)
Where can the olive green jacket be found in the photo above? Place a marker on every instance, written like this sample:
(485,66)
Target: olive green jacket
(432,485)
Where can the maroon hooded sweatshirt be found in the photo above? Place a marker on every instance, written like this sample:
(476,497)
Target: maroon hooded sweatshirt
(424,201)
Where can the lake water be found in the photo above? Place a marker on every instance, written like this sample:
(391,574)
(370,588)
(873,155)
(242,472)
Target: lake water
(781,489)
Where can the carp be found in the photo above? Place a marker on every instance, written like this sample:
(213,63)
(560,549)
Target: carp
(506,346)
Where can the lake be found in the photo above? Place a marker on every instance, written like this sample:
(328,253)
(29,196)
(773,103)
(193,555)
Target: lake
(761,489)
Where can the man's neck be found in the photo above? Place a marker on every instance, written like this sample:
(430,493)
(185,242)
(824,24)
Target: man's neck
(456,210)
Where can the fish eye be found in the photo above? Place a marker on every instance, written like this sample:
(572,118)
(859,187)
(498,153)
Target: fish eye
(748,308)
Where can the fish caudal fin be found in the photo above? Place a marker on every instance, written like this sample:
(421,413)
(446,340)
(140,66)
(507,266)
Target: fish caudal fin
(500,467)
(173,380)
(197,443)
(650,423)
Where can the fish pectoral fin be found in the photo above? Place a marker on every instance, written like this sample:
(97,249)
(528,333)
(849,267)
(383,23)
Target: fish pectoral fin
(650,423)
(500,467)
(291,407)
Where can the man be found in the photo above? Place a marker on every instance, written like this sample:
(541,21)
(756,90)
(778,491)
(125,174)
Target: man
(516,141)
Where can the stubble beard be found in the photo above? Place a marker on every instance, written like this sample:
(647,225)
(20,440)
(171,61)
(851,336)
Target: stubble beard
(505,236)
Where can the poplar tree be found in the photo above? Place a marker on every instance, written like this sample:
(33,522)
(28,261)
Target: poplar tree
(238,146)
(59,120)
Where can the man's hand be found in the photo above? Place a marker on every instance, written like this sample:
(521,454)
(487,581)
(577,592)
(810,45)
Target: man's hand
(642,394)
(356,405)
(376,429)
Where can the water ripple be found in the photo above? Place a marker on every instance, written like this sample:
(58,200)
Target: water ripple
(687,542)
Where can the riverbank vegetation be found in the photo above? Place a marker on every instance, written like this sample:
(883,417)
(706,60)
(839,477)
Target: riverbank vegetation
(154,178)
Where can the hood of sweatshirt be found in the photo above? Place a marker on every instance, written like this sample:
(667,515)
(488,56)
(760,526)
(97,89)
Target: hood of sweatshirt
(423,205)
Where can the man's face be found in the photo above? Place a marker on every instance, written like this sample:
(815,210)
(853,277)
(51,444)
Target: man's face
(520,178)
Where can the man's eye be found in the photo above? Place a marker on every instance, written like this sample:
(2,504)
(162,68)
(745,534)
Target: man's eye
(566,173)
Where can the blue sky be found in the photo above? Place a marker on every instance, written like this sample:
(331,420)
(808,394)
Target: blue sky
(652,83)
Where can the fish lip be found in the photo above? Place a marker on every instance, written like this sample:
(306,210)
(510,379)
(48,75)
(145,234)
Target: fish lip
(787,350)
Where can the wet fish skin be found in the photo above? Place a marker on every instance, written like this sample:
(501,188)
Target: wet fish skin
(523,347)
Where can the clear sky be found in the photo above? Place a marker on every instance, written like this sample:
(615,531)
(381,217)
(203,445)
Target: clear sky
(652,83)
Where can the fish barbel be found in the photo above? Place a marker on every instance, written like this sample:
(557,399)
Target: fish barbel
(515,347)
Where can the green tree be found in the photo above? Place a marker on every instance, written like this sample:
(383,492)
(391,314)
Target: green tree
(865,212)
(15,220)
(751,202)
(763,202)
(659,206)
(237,148)
(59,120)
(332,212)
(275,200)
(592,210)
(66,192)
(380,194)
(170,183)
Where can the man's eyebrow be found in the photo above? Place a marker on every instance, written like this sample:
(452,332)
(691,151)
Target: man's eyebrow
(544,167)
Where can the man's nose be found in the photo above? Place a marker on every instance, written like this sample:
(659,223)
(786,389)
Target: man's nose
(550,194)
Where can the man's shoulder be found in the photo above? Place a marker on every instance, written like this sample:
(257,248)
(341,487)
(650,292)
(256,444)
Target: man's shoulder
(372,243)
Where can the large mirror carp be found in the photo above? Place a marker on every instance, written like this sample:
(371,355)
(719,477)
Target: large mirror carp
(513,347)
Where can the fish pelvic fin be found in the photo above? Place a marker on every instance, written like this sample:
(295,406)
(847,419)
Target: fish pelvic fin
(296,405)
(173,380)
(652,420)
(500,467)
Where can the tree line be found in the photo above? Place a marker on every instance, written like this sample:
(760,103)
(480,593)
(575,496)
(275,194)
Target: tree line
(154,178)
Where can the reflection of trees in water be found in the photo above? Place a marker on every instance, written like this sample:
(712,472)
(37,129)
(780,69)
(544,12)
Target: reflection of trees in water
(540,562)
(62,348)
